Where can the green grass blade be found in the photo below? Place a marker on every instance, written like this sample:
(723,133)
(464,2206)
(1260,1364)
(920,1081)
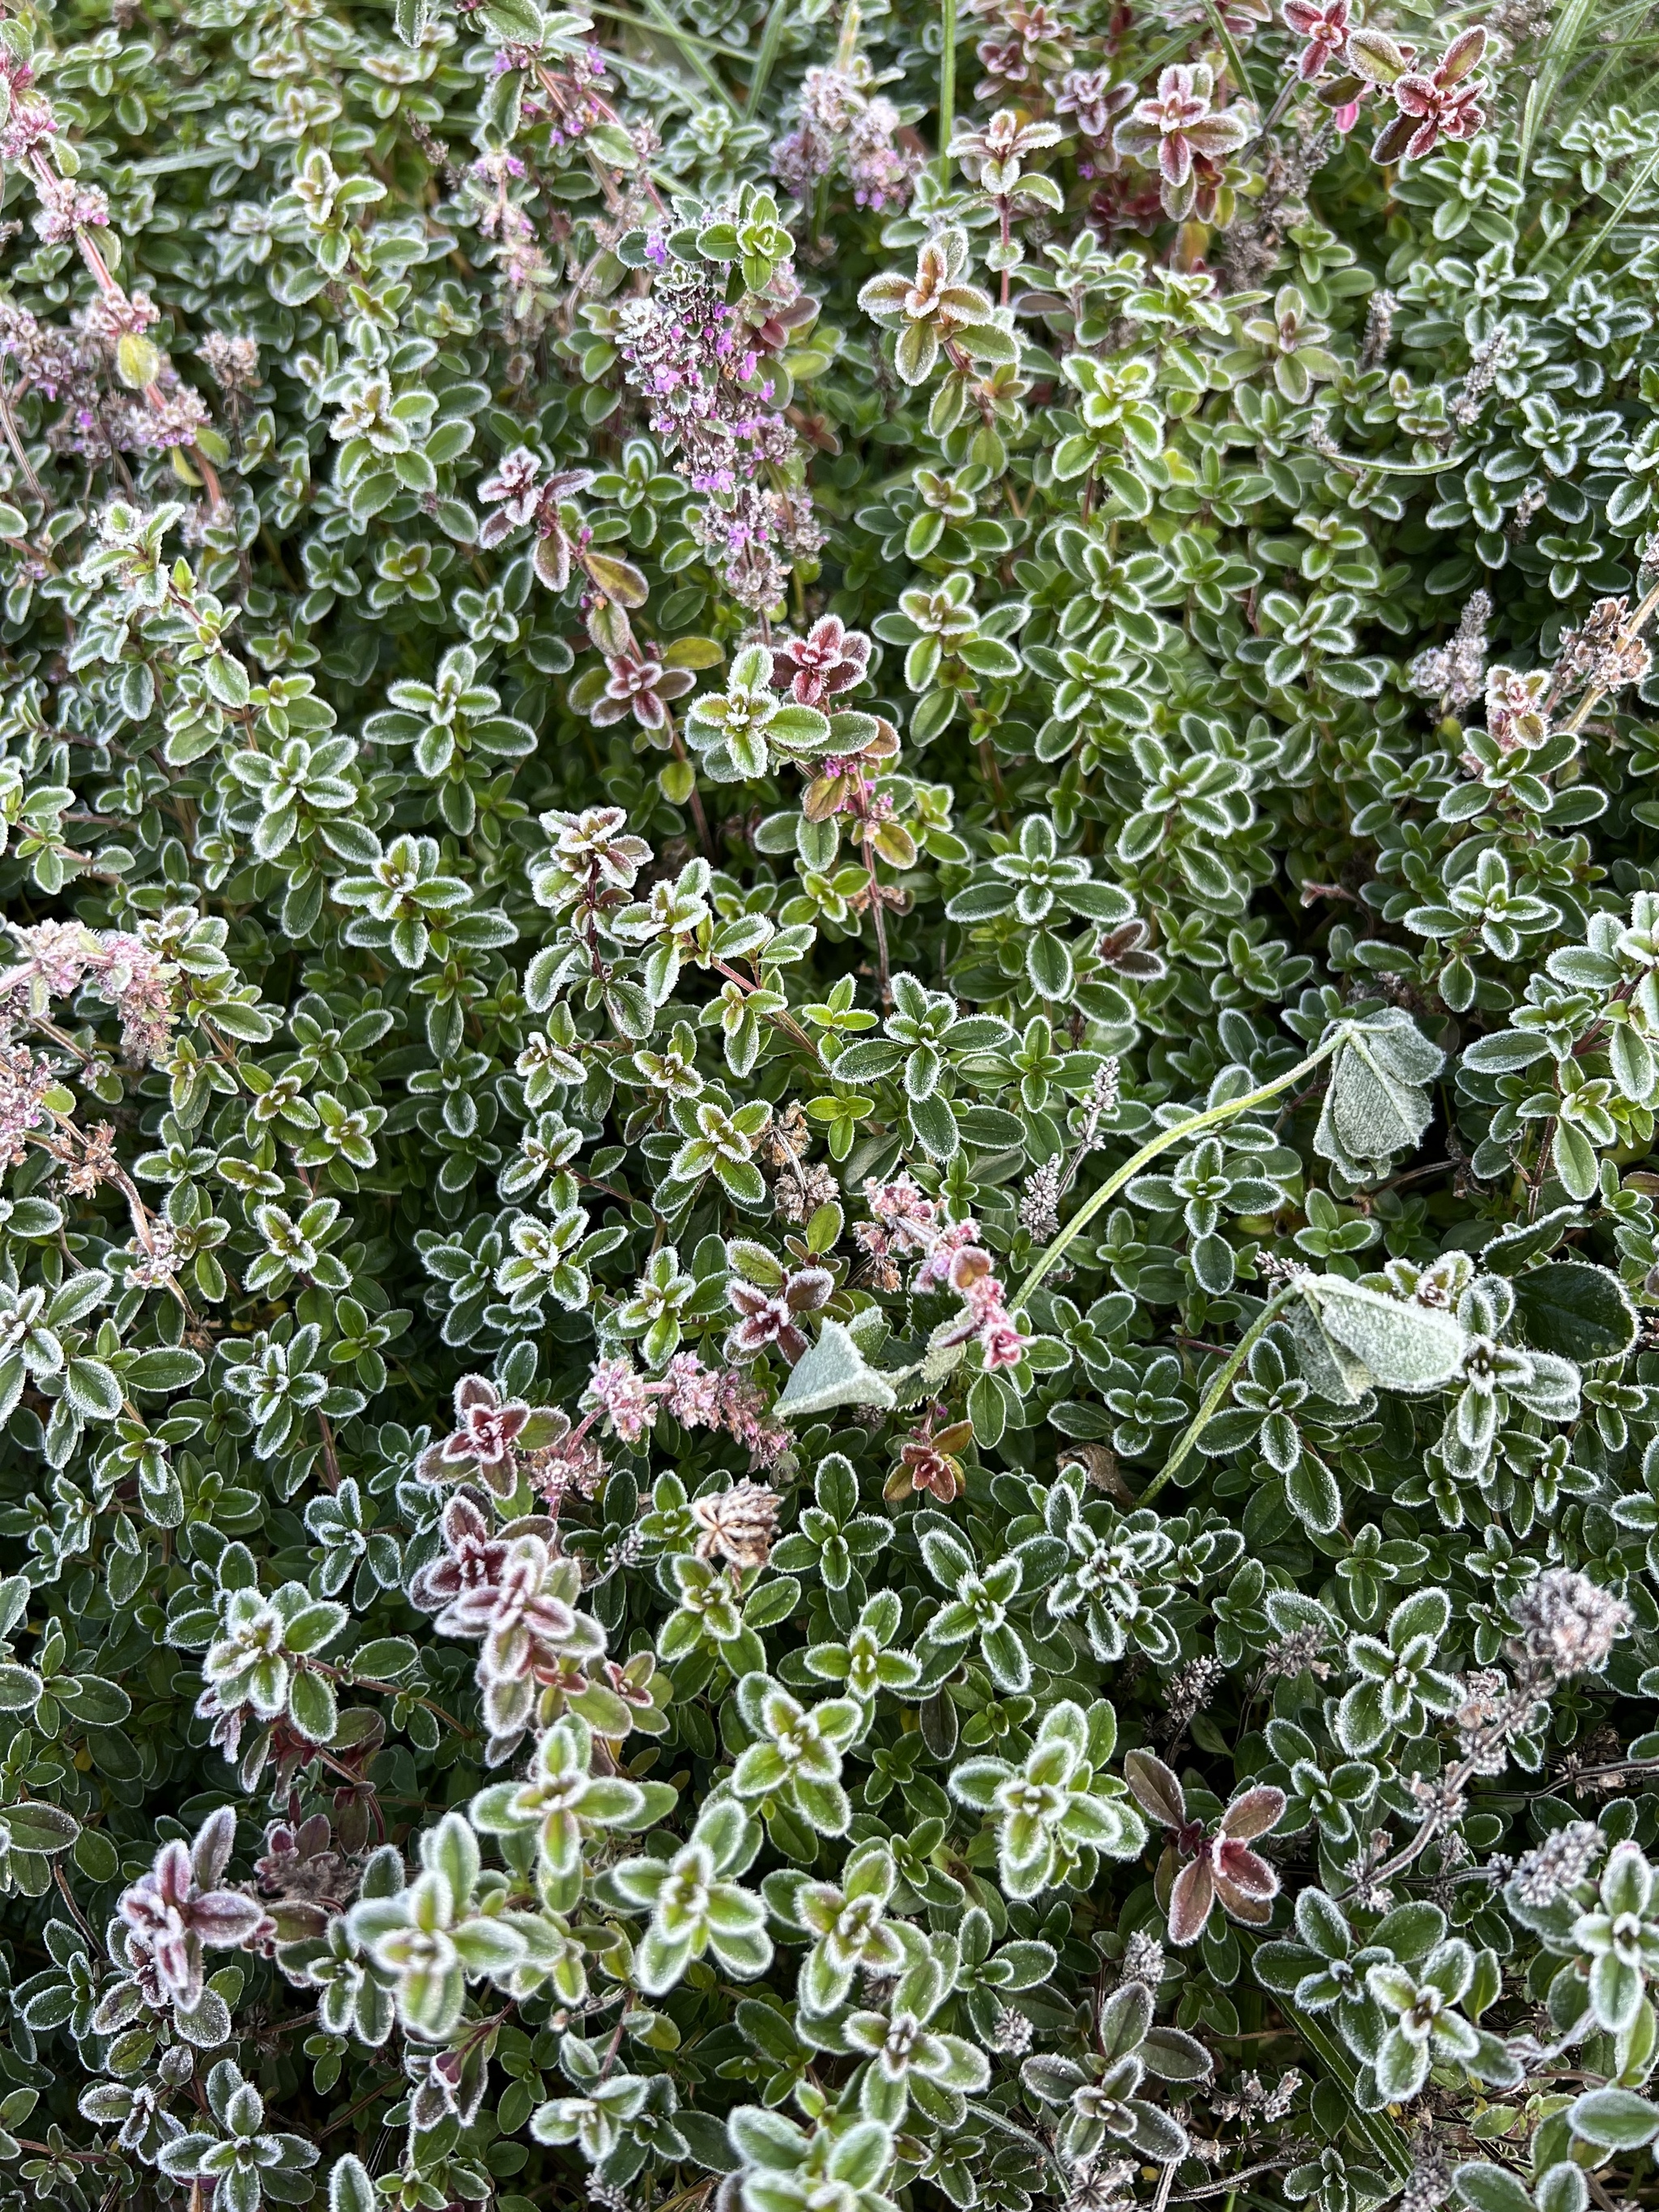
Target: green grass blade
(1563,43)
(766,59)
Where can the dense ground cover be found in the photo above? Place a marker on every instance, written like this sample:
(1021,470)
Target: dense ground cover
(828,1271)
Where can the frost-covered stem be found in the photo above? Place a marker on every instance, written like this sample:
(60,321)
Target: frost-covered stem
(16,444)
(610,116)
(104,279)
(698,814)
(883,977)
(330,1457)
(947,84)
(784,1021)
(1592,698)
(1451,1784)
(1217,1389)
(114,1173)
(1228,2184)
(992,2118)
(1287,94)
(76,1913)
(1212,1117)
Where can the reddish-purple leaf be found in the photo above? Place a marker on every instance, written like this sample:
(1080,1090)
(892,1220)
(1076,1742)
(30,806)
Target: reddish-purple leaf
(1157,1790)
(1254,1813)
(1463,54)
(211,1853)
(223,1919)
(1246,1884)
(1190,1901)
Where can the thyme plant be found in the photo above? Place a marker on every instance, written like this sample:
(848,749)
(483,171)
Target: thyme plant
(827,1053)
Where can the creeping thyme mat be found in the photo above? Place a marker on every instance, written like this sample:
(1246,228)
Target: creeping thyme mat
(829,1291)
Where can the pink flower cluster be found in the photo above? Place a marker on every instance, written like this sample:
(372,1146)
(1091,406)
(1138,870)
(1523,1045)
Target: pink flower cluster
(844,123)
(24,1082)
(59,955)
(907,1222)
(29,121)
(66,207)
(75,365)
(698,1397)
(698,360)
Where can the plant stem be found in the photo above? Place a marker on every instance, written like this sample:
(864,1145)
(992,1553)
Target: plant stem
(1217,1389)
(14,440)
(1212,1117)
(947,84)
(1581,714)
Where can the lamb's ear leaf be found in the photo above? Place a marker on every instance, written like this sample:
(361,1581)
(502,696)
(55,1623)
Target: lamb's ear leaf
(1402,1346)
(1377,1104)
(1328,1368)
(833,1372)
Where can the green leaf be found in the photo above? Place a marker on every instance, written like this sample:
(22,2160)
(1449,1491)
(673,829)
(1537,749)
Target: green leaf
(349,2187)
(1508,1253)
(96,1856)
(92,1389)
(514,22)
(312,1707)
(37,1827)
(1376,1104)
(1580,1311)
(1614,2119)
(165,1369)
(93,1701)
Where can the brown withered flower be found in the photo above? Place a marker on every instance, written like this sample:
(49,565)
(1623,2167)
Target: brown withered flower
(738,1524)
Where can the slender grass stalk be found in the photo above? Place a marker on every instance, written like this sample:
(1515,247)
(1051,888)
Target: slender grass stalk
(947,85)
(1559,49)
(660,21)
(777,22)
(1234,59)
(1589,252)
(1217,1390)
(1375,2129)
(1212,1117)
